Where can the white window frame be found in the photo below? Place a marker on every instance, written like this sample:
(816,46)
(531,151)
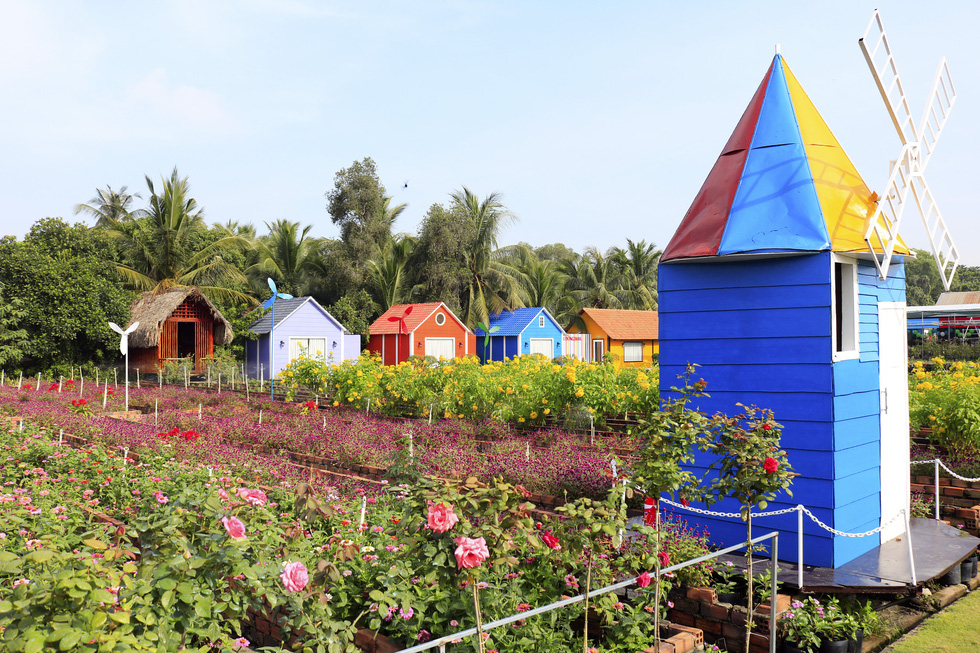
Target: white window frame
(626,355)
(295,342)
(541,321)
(433,340)
(440,319)
(600,345)
(844,308)
(550,347)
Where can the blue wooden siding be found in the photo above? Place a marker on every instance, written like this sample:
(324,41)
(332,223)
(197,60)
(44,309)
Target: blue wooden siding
(761,332)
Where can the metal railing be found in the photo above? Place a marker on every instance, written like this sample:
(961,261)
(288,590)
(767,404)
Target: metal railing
(441,642)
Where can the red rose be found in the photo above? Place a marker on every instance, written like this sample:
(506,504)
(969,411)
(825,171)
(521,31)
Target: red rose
(551,541)
(770,465)
(643,580)
(664,558)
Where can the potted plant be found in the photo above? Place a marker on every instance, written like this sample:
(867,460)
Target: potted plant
(813,627)
(728,583)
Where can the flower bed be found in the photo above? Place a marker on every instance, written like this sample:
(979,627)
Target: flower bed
(202,543)
(528,390)
(549,462)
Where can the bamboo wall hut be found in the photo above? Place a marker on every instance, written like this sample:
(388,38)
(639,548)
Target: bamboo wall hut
(175,325)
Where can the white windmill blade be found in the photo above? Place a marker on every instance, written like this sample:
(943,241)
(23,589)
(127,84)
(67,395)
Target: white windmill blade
(940,241)
(882,64)
(941,99)
(115,327)
(887,216)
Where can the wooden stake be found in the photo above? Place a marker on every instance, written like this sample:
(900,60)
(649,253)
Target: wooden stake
(105,394)
(137,377)
(199,412)
(61,381)
(81,382)
(20,381)
(38,388)
(115,378)
(156,412)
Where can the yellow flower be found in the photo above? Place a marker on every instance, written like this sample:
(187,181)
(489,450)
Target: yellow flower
(336,403)
(580,392)
(547,410)
(520,419)
(932,418)
(533,415)
(544,400)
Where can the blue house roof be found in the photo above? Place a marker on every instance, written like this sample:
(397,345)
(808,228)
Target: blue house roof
(512,323)
(285,308)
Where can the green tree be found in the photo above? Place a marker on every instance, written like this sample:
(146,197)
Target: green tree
(595,281)
(359,205)
(59,278)
(356,311)
(387,273)
(13,338)
(286,254)
(437,266)
(638,266)
(492,288)
(110,207)
(171,246)
(922,282)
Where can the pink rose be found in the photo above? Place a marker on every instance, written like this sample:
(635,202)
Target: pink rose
(664,558)
(235,527)
(295,577)
(770,465)
(255,497)
(441,517)
(643,580)
(471,552)
(223,493)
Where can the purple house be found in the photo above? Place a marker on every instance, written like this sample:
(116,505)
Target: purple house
(302,327)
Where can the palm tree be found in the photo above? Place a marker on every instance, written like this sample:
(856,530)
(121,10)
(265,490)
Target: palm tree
(540,282)
(171,246)
(492,287)
(638,265)
(595,281)
(285,254)
(386,273)
(110,207)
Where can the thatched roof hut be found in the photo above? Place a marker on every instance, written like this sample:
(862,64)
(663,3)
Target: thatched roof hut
(175,325)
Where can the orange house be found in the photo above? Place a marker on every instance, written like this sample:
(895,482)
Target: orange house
(420,330)
(630,337)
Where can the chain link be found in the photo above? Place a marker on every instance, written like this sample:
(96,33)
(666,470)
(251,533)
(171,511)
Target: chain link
(943,465)
(773,513)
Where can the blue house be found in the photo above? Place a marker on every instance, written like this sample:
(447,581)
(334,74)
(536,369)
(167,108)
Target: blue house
(524,331)
(303,327)
(769,286)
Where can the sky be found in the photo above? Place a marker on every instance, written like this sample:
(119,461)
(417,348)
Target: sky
(596,122)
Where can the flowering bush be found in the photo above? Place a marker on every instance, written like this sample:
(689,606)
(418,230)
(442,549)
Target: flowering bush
(528,390)
(946,399)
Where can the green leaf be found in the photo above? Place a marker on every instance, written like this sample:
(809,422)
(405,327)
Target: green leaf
(7,556)
(377,595)
(70,640)
(93,543)
(203,607)
(98,620)
(166,583)
(40,556)
(35,644)
(119,617)
(167,599)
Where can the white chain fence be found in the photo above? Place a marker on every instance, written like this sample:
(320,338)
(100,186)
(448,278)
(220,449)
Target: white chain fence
(801,510)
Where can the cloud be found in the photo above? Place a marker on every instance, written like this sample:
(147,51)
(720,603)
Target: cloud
(177,106)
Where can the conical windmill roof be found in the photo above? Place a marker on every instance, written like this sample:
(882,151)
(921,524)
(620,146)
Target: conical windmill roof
(782,184)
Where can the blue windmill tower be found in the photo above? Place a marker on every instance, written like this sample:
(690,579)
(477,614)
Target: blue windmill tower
(785,283)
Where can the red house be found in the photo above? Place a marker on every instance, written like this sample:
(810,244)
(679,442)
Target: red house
(420,330)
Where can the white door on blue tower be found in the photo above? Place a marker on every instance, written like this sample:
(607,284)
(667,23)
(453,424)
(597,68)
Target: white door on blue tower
(894,388)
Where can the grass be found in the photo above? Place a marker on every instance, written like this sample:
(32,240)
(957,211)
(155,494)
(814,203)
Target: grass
(955,629)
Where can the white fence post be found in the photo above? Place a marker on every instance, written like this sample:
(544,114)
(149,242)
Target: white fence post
(908,543)
(799,546)
(936,480)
